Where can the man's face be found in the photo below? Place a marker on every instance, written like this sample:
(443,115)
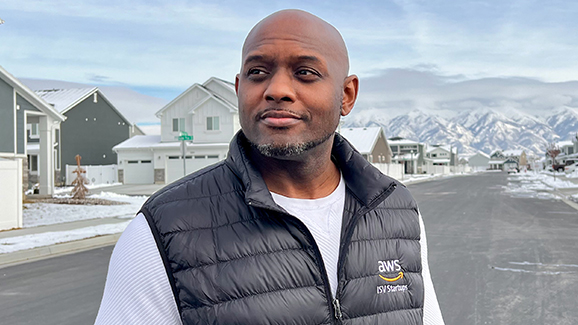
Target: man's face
(289,91)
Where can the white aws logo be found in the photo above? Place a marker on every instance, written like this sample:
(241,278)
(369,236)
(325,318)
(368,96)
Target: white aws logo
(389,266)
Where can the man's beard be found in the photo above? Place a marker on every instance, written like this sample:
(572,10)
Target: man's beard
(289,149)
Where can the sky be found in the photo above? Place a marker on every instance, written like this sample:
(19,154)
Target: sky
(402,50)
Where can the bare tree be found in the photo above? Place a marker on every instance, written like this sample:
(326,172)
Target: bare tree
(79,191)
(553,151)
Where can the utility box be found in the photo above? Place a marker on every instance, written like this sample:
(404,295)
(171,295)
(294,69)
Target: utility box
(10,193)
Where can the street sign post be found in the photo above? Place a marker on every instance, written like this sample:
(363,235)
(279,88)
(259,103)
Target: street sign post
(184,137)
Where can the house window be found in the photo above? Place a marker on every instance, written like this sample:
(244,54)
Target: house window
(178,124)
(34,130)
(433,155)
(33,163)
(212,123)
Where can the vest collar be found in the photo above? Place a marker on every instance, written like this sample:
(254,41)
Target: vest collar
(362,179)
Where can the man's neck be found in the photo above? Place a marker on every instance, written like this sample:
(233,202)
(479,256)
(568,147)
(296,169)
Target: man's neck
(312,175)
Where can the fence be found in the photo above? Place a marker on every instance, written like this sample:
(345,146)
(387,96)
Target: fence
(96,174)
(391,170)
(460,169)
(434,169)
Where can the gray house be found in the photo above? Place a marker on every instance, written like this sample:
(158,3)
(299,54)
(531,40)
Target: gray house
(18,104)
(92,127)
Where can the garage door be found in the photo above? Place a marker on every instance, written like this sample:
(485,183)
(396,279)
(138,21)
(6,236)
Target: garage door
(139,172)
(194,163)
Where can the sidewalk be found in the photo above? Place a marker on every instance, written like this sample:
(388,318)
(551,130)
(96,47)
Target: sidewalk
(70,236)
(52,232)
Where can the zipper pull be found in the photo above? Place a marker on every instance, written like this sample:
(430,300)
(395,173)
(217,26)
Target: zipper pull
(337,307)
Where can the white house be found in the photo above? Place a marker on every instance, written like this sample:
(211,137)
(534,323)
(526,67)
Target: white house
(409,153)
(207,113)
(479,161)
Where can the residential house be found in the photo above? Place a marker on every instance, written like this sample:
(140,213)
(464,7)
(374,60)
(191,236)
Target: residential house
(207,113)
(93,126)
(504,159)
(479,161)
(510,163)
(18,105)
(409,153)
(370,142)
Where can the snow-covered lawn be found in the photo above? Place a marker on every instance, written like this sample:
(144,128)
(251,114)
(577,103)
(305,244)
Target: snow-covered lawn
(39,214)
(13,244)
(537,185)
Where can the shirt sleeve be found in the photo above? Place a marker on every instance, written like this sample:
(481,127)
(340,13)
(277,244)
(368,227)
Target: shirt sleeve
(432,314)
(137,289)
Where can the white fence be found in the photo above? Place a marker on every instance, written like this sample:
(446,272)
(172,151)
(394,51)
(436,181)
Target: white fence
(460,169)
(10,194)
(96,174)
(433,169)
(391,170)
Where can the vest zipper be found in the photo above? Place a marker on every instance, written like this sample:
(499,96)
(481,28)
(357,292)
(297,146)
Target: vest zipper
(319,259)
(349,232)
(337,307)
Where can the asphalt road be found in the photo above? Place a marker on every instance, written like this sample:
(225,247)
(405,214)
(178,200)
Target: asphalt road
(64,290)
(495,259)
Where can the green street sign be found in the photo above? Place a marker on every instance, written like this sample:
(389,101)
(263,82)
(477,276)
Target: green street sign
(185,137)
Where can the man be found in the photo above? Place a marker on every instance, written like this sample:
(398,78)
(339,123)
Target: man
(294,227)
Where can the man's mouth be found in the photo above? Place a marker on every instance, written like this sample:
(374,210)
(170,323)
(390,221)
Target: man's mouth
(279,118)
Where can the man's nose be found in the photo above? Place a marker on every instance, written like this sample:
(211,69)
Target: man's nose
(280,87)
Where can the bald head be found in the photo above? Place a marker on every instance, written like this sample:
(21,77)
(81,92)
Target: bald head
(304,27)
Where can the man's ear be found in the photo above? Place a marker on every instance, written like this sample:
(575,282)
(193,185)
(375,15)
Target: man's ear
(350,90)
(237,84)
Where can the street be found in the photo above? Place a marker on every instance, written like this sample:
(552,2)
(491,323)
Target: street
(495,259)
(63,290)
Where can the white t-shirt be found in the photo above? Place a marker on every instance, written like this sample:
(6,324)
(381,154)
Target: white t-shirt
(138,291)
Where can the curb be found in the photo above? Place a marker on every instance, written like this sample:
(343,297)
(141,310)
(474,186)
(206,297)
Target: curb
(39,253)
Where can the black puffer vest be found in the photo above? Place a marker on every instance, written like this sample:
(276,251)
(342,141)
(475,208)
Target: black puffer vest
(235,257)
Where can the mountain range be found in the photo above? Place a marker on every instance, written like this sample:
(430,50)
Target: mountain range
(482,129)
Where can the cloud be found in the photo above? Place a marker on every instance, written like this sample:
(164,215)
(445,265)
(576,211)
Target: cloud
(401,90)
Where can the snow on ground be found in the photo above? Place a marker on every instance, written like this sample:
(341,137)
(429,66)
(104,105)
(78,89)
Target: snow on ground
(39,214)
(536,185)
(13,244)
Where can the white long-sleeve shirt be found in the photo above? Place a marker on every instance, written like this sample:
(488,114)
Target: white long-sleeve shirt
(138,291)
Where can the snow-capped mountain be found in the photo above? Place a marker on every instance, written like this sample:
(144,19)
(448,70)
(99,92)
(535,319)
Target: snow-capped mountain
(564,121)
(479,129)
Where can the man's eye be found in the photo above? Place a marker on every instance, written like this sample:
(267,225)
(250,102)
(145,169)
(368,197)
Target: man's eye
(255,71)
(306,72)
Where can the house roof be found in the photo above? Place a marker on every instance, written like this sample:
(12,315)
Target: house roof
(443,147)
(138,141)
(401,141)
(516,153)
(154,141)
(228,104)
(496,162)
(64,100)
(363,139)
(481,153)
(30,96)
